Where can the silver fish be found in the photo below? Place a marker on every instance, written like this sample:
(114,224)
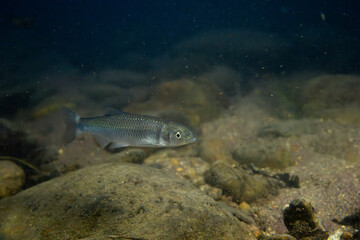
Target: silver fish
(120,129)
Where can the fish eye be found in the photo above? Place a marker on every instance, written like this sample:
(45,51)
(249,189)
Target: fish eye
(178,134)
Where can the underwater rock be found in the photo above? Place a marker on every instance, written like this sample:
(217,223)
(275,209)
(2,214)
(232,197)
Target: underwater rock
(332,96)
(190,168)
(288,128)
(331,91)
(82,152)
(291,181)
(279,237)
(239,184)
(241,214)
(338,140)
(331,183)
(213,192)
(324,136)
(215,149)
(180,152)
(279,95)
(350,236)
(16,143)
(129,155)
(301,221)
(12,178)
(199,102)
(237,126)
(351,220)
(23,149)
(264,155)
(117,200)
(50,105)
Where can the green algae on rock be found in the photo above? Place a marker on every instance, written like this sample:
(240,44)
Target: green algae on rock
(239,184)
(117,199)
(301,221)
(264,155)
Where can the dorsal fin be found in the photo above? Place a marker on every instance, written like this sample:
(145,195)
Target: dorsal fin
(113,111)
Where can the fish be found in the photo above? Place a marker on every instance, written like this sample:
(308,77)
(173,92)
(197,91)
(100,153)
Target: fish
(116,129)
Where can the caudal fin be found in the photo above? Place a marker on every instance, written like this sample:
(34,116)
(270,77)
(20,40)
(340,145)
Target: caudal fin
(71,121)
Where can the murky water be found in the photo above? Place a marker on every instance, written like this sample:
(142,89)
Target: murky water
(270,89)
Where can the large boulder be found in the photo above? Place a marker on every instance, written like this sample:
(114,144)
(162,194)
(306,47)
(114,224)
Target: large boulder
(117,200)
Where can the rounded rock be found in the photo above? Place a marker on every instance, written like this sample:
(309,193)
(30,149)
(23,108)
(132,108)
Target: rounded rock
(12,178)
(117,200)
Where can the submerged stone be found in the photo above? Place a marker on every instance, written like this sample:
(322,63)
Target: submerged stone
(301,221)
(239,184)
(135,155)
(333,96)
(12,178)
(264,155)
(279,237)
(351,220)
(117,200)
(215,149)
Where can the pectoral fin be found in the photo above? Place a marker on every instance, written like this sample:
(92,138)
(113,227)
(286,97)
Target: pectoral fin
(114,145)
(103,142)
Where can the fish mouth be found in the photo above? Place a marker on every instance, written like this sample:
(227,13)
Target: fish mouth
(191,140)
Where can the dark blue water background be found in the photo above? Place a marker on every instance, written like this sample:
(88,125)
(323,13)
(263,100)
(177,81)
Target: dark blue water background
(38,36)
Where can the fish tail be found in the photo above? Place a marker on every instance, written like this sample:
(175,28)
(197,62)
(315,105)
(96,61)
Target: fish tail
(71,121)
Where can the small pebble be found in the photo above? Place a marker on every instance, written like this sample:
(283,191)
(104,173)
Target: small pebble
(346,236)
(244,205)
(213,192)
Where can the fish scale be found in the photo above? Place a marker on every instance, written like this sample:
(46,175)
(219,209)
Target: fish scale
(128,129)
(120,127)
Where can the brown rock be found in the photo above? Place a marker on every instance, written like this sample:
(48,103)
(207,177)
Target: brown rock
(264,155)
(239,184)
(302,222)
(12,178)
(120,201)
(215,149)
